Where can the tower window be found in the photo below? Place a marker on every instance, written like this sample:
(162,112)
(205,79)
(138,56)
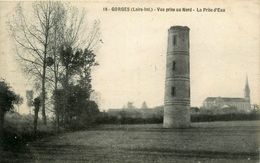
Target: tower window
(174,40)
(173,65)
(188,68)
(173,92)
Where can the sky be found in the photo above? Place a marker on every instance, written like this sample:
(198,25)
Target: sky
(224,47)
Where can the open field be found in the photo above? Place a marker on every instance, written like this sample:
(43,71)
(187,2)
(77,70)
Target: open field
(235,141)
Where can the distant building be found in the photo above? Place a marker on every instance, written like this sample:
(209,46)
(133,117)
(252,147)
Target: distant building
(222,102)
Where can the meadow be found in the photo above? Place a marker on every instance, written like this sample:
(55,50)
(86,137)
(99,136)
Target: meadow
(233,141)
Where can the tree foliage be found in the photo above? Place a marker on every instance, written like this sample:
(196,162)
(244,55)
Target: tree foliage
(80,111)
(8,98)
(73,99)
(77,64)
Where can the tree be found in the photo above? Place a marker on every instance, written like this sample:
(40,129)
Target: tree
(79,109)
(77,65)
(71,32)
(82,111)
(32,36)
(38,37)
(8,98)
(96,96)
(71,62)
(36,104)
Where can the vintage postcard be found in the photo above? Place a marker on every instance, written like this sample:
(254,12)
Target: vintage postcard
(130,81)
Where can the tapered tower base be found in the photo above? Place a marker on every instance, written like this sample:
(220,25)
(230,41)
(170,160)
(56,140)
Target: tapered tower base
(176,117)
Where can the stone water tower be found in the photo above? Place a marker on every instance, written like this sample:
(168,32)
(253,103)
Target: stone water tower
(177,83)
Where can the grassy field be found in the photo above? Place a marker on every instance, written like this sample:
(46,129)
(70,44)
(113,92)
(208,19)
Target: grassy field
(236,141)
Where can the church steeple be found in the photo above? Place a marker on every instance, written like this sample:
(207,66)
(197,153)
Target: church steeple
(247,90)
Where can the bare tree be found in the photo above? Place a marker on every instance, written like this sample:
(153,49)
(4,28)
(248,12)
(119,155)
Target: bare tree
(39,34)
(32,36)
(78,33)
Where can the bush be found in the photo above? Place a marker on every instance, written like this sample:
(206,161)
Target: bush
(75,111)
(225,117)
(85,117)
(104,118)
(18,130)
(206,116)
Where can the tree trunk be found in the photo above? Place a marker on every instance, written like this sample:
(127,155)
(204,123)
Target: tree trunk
(44,76)
(57,112)
(66,109)
(43,91)
(47,28)
(58,121)
(56,70)
(35,121)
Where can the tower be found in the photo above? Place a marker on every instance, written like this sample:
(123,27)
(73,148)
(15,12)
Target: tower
(247,91)
(177,83)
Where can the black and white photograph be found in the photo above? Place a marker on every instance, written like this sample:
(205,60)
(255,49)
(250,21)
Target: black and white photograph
(110,81)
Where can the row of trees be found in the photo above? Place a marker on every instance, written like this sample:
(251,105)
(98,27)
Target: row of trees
(56,49)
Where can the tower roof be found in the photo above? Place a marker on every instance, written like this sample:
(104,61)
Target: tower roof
(177,27)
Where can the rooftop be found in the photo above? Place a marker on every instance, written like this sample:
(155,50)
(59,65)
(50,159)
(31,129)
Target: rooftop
(226,99)
(179,28)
